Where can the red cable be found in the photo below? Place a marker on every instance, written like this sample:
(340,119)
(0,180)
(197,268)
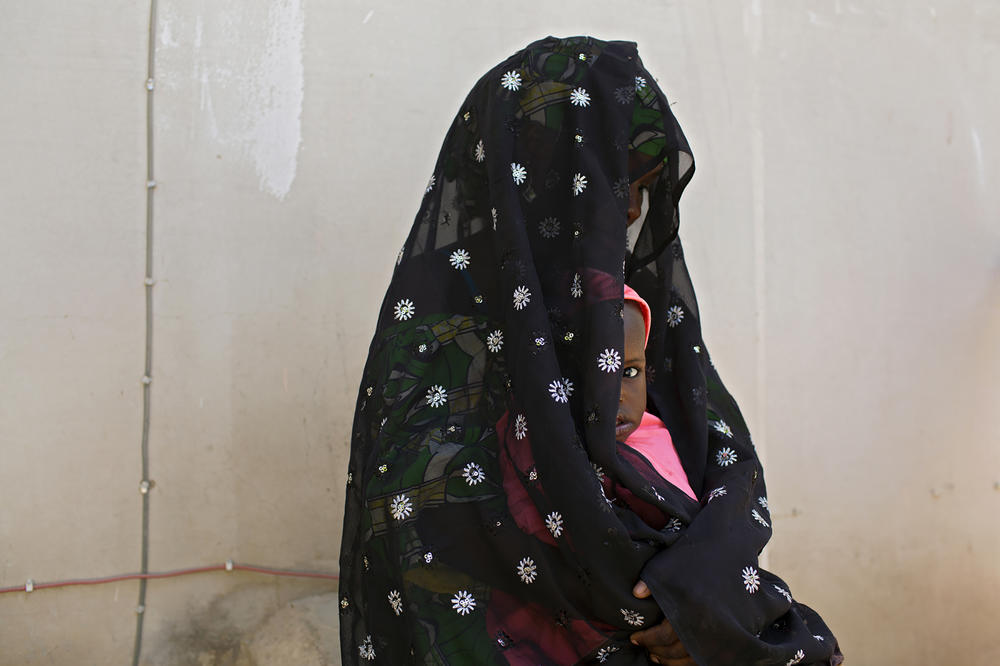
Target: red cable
(171,574)
(286,572)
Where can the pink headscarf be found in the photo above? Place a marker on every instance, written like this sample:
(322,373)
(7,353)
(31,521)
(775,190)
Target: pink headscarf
(631,295)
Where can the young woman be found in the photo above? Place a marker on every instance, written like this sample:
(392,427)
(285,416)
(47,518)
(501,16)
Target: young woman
(492,517)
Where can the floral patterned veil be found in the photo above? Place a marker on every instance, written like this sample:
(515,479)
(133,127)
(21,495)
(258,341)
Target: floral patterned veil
(491,517)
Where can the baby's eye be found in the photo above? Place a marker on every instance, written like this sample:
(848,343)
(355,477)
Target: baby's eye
(631,372)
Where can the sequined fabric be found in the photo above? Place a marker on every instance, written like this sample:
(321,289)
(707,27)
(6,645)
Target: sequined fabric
(491,517)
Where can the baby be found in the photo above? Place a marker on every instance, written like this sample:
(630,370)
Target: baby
(635,427)
(526,623)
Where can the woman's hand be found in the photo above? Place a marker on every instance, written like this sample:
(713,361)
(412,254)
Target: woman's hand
(662,644)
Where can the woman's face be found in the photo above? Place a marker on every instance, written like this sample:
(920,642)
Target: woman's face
(632,402)
(635,193)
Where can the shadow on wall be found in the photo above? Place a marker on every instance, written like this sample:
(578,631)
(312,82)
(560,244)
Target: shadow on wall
(234,630)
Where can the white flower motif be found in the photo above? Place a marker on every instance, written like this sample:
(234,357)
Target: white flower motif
(460,259)
(473,474)
(527,570)
(428,557)
(750,579)
(521,297)
(640,83)
(799,656)
(818,637)
(632,617)
(404,309)
(674,525)
(609,361)
(674,316)
(520,426)
(396,601)
(366,649)
(783,592)
(722,427)
(518,173)
(493,212)
(718,492)
(463,602)
(620,187)
(579,97)
(399,257)
(494,341)
(762,501)
(436,396)
(554,522)
(579,183)
(760,519)
(480,151)
(576,289)
(725,457)
(599,471)
(549,227)
(430,184)
(605,652)
(511,80)
(624,95)
(604,494)
(561,390)
(401,507)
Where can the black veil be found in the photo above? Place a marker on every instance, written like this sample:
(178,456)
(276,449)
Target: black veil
(491,517)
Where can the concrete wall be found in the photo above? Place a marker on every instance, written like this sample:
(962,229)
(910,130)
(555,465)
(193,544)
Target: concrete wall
(841,229)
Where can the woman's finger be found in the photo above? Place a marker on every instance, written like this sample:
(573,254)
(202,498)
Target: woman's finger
(664,652)
(686,661)
(656,637)
(641,590)
(660,635)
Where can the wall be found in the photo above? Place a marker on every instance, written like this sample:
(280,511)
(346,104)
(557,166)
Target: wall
(841,231)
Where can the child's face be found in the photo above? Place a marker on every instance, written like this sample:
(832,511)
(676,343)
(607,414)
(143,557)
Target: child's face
(633,394)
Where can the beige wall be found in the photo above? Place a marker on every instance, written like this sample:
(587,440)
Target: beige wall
(842,232)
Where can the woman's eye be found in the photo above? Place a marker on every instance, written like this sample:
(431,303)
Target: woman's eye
(631,372)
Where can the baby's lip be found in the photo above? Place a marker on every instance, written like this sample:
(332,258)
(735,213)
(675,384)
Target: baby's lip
(624,427)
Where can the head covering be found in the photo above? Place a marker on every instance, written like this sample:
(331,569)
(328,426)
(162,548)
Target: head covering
(631,295)
(490,515)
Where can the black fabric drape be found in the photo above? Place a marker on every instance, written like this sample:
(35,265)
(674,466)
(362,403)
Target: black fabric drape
(491,517)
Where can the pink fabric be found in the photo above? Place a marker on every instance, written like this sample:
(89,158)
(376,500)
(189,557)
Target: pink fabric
(516,461)
(647,317)
(534,638)
(652,440)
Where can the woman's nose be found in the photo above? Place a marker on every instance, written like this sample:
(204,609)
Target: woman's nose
(634,204)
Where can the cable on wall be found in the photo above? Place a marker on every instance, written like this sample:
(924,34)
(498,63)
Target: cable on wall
(229,565)
(145,485)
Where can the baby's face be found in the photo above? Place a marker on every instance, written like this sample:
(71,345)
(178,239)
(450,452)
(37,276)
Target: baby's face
(633,394)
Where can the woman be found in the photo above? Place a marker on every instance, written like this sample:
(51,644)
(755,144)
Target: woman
(491,516)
